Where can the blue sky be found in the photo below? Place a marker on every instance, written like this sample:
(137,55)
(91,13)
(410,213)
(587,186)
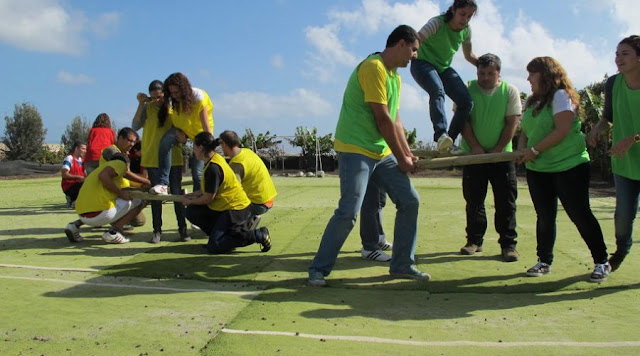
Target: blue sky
(271,64)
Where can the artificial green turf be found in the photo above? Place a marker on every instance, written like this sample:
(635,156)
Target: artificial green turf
(473,298)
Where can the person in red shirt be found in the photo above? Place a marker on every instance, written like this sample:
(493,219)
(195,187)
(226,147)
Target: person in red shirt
(73,172)
(101,136)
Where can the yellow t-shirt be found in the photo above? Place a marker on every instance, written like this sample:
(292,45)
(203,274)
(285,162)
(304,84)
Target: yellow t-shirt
(256,182)
(93,196)
(190,123)
(151,135)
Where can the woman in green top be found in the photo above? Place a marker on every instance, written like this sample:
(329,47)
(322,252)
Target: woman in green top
(622,110)
(557,162)
(440,39)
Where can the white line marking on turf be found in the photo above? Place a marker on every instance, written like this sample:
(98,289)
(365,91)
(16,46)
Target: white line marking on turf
(132,286)
(70,269)
(438,343)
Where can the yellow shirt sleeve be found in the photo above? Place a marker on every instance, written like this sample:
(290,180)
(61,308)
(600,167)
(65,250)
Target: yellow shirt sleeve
(372,76)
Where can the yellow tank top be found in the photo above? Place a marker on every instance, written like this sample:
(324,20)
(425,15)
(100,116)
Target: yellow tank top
(256,182)
(230,195)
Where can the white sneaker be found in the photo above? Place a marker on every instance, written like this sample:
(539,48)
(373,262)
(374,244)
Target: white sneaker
(195,227)
(377,255)
(384,245)
(116,238)
(455,150)
(159,190)
(444,142)
(73,233)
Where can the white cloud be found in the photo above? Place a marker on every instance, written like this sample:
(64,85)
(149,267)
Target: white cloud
(413,98)
(75,79)
(300,103)
(50,26)
(277,61)
(106,24)
(627,13)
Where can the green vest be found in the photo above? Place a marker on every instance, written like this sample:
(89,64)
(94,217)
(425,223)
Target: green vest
(487,117)
(567,154)
(626,122)
(357,125)
(440,47)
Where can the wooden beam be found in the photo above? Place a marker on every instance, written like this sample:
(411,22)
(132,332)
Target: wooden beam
(465,160)
(136,194)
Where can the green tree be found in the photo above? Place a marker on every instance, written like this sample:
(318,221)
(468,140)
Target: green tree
(78,130)
(24,133)
(311,143)
(591,105)
(260,143)
(411,137)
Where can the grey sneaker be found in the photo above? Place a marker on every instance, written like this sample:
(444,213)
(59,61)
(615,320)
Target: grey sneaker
(316,279)
(412,273)
(539,269)
(377,255)
(444,142)
(157,236)
(73,233)
(600,272)
(470,248)
(263,239)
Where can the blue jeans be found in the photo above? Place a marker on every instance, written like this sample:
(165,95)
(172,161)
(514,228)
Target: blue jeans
(167,141)
(175,185)
(355,172)
(627,191)
(371,231)
(437,85)
(572,188)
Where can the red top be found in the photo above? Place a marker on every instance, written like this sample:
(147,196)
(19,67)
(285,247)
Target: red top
(99,139)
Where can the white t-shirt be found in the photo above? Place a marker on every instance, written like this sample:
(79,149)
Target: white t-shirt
(562,102)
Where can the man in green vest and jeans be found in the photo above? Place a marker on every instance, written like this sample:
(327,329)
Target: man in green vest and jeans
(492,123)
(371,146)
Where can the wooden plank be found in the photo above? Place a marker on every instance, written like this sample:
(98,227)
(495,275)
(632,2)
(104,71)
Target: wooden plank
(465,160)
(136,194)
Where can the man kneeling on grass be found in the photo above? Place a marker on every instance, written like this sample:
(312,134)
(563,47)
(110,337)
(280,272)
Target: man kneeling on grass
(102,201)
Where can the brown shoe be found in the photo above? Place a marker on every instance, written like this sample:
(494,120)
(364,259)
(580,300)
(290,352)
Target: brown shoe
(509,254)
(470,248)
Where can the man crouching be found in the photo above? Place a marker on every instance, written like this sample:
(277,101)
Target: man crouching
(102,201)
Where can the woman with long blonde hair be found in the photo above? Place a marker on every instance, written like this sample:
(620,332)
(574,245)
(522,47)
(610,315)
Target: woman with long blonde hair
(557,162)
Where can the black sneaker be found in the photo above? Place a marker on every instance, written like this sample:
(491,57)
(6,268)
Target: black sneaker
(264,239)
(616,260)
(470,248)
(539,269)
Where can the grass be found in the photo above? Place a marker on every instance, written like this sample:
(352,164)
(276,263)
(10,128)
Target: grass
(172,298)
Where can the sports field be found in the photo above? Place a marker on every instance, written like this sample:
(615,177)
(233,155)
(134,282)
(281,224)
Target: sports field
(92,298)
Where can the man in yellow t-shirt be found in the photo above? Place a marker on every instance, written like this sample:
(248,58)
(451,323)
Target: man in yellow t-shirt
(102,201)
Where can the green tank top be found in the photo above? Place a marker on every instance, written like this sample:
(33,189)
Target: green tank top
(567,154)
(626,122)
(487,117)
(440,48)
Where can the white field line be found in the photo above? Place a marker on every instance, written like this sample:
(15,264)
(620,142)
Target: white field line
(70,269)
(438,343)
(133,286)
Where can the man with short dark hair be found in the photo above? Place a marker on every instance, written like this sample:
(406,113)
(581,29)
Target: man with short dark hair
(371,146)
(490,129)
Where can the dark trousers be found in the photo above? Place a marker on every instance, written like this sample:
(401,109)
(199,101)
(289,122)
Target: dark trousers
(175,186)
(73,191)
(475,180)
(371,231)
(226,229)
(572,188)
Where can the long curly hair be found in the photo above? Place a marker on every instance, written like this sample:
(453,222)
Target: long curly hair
(187,98)
(553,77)
(102,120)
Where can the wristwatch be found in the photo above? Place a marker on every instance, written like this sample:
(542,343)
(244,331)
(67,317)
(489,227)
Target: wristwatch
(636,138)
